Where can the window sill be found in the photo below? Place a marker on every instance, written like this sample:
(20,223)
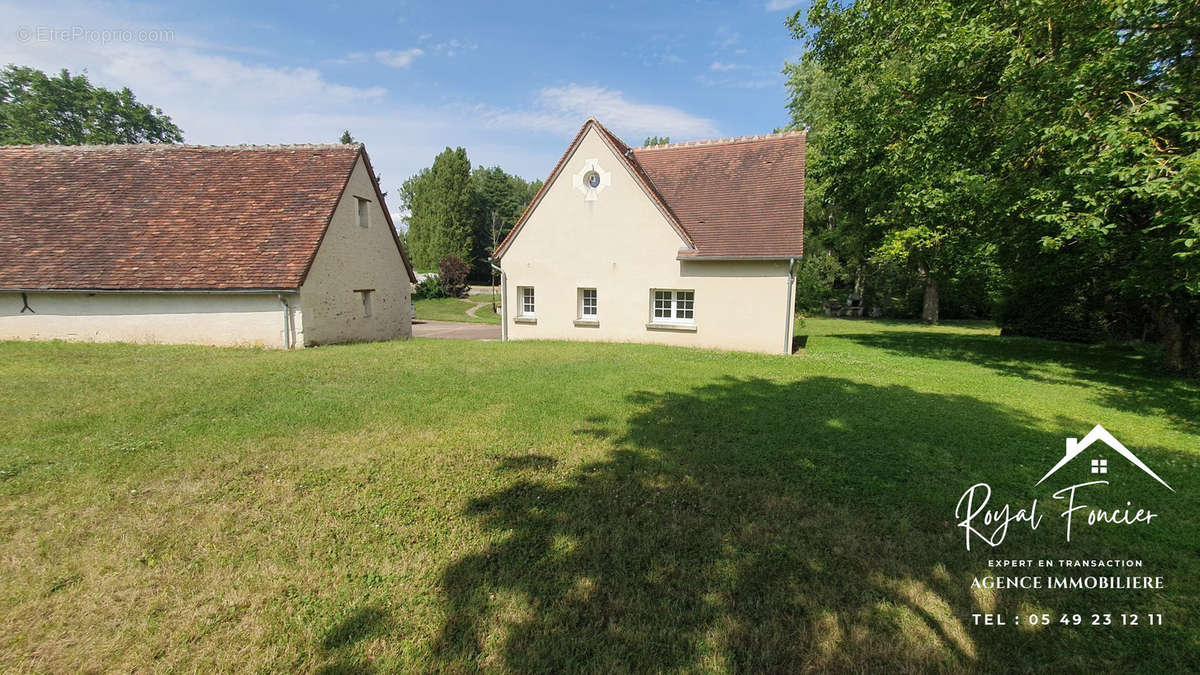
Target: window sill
(679,327)
(587,323)
(530,320)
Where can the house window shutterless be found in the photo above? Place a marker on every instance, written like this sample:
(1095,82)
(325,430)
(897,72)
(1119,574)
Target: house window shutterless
(527,303)
(587,303)
(674,306)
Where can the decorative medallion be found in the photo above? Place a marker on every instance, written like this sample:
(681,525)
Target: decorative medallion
(591,179)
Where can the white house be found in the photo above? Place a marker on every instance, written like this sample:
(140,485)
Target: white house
(278,246)
(682,244)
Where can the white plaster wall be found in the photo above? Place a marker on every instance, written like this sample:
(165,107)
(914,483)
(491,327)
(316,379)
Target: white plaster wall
(352,257)
(623,246)
(170,318)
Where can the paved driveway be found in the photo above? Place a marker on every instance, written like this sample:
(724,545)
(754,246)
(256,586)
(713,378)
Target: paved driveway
(450,330)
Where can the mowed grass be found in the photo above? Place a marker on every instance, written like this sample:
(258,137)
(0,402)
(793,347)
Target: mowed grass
(454,309)
(446,505)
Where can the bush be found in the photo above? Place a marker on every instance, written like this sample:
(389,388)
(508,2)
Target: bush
(429,288)
(453,274)
(815,279)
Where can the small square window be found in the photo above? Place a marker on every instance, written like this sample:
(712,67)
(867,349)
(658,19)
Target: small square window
(1099,466)
(365,294)
(528,306)
(663,303)
(364,212)
(685,303)
(587,303)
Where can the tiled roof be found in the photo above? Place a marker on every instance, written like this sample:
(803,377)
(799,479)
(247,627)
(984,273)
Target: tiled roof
(729,198)
(166,217)
(738,197)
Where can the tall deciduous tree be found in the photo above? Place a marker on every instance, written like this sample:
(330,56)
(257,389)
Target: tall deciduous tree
(68,110)
(1061,137)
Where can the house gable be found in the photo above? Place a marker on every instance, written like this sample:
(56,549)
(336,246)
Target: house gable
(593,142)
(352,260)
(363,163)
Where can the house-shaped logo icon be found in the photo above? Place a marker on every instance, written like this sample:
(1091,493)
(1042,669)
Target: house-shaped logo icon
(1099,433)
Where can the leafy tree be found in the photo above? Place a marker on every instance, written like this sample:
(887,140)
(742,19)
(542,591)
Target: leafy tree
(815,277)
(441,211)
(346,138)
(1061,139)
(453,272)
(455,213)
(499,198)
(68,110)
(656,140)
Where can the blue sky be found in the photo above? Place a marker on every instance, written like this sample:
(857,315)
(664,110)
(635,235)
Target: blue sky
(511,82)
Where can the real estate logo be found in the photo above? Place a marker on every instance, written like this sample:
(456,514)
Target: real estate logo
(1100,466)
(981,521)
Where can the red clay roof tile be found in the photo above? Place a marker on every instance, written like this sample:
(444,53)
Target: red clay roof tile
(737,198)
(166,217)
(729,198)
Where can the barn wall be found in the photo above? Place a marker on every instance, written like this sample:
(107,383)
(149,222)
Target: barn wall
(172,318)
(353,258)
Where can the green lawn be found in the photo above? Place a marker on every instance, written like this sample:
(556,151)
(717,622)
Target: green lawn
(453,309)
(447,505)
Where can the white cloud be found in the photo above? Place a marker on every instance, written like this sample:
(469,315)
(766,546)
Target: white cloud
(719,67)
(561,110)
(453,47)
(224,95)
(219,98)
(743,82)
(780,5)
(398,59)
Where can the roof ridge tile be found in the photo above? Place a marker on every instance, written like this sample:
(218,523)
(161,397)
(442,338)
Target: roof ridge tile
(126,147)
(722,141)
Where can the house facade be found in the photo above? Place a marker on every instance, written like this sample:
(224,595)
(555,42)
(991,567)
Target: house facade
(273,246)
(689,244)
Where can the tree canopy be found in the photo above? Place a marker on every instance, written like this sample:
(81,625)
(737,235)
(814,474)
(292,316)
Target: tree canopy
(1057,142)
(68,110)
(456,211)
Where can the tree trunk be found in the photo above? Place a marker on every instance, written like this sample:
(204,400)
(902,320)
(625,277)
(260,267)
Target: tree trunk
(1181,342)
(929,310)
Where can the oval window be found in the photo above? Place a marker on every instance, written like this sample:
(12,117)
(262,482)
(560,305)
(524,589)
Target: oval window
(592,179)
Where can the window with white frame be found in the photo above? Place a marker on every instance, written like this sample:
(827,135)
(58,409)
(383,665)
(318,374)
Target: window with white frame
(674,306)
(527,304)
(364,212)
(587,304)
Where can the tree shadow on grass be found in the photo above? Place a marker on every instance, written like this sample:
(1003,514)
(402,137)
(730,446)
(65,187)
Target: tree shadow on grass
(361,624)
(1121,378)
(757,526)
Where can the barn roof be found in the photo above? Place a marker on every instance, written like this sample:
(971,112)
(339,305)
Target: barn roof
(167,217)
